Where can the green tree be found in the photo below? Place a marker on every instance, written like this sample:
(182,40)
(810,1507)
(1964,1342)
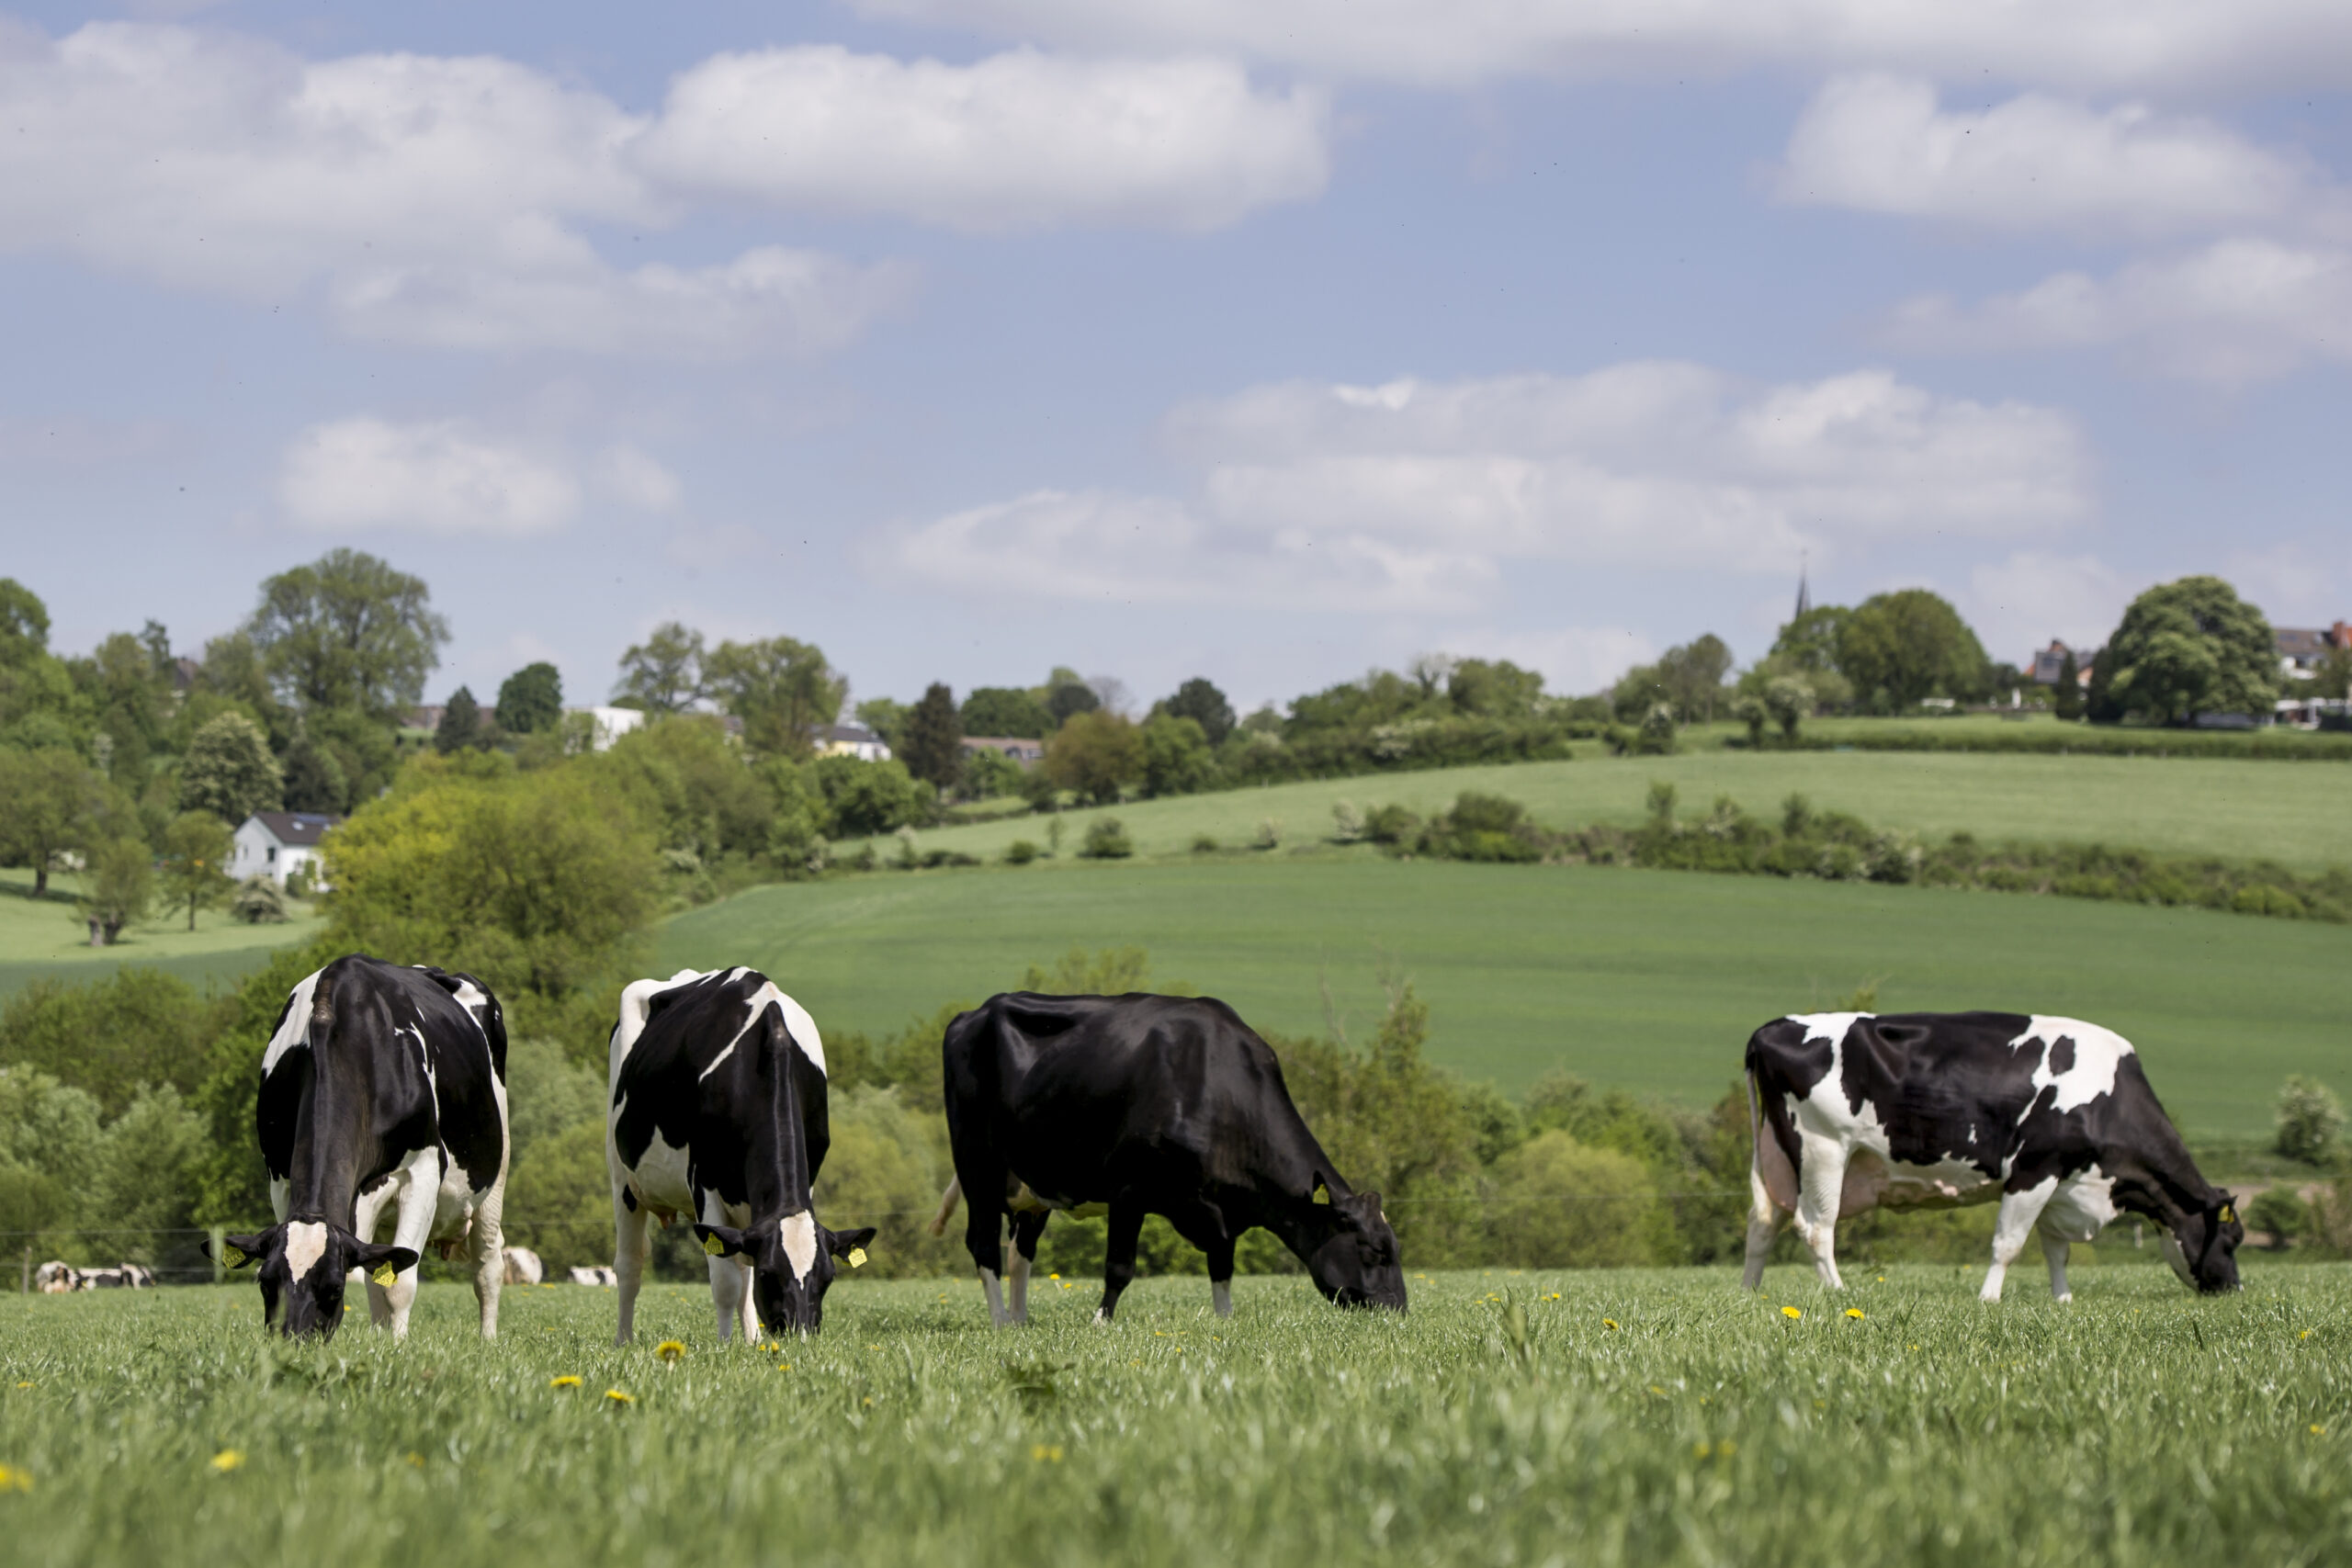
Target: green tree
(933,742)
(988,773)
(50,800)
(314,777)
(1066,696)
(866,798)
(1199,700)
(2309,1119)
(1788,699)
(663,673)
(530,701)
(128,697)
(1811,640)
(1003,710)
(1693,677)
(1559,1204)
(39,703)
(460,728)
(887,717)
(109,1037)
(782,689)
(2066,701)
(347,631)
(118,889)
(24,624)
(228,772)
(1096,753)
(1493,689)
(1176,756)
(196,847)
(2191,647)
(1898,648)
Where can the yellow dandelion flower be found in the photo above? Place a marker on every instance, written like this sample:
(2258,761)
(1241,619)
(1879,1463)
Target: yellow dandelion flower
(869,1399)
(227,1459)
(1791,1314)
(569,1380)
(1701,1450)
(617,1397)
(1053,1276)
(1726,1448)
(1655,1390)
(416,1460)
(2307,1333)
(15,1479)
(1854,1313)
(784,1366)
(1609,1324)
(2318,1430)
(670,1350)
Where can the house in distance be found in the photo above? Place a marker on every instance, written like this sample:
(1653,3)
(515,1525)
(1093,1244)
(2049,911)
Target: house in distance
(276,844)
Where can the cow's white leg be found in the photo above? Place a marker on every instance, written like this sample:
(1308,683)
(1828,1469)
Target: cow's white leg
(1821,1186)
(490,1253)
(365,1215)
(2010,1227)
(995,1296)
(1016,1306)
(420,1198)
(1221,1297)
(730,1278)
(630,1248)
(2053,1250)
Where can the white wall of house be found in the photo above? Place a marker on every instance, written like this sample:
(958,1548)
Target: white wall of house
(258,852)
(611,724)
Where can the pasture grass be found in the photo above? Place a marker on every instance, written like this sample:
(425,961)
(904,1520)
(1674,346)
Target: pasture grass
(1648,980)
(2140,1426)
(44,936)
(2293,813)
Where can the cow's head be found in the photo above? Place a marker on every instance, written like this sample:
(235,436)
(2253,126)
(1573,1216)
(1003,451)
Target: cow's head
(302,1266)
(1356,1263)
(792,1265)
(2202,1245)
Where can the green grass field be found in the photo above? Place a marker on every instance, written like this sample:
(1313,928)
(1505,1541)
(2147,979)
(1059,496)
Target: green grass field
(2140,1426)
(2291,812)
(1652,980)
(42,938)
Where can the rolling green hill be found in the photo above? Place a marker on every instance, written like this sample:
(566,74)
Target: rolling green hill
(41,938)
(1652,980)
(2291,812)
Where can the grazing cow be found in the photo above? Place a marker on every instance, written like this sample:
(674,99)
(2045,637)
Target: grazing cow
(1145,1105)
(595,1274)
(2049,1116)
(383,1088)
(523,1267)
(719,1111)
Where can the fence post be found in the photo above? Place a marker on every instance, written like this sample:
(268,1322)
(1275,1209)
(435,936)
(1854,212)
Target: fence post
(220,1239)
(25,1281)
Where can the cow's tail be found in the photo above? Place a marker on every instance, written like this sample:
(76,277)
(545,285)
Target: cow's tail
(947,1201)
(1759,1192)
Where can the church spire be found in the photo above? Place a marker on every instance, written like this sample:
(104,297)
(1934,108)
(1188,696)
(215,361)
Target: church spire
(1805,599)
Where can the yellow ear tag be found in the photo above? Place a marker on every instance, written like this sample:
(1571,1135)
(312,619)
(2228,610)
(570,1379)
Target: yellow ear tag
(713,1245)
(1322,1193)
(234,1256)
(385,1276)
(857,1258)
(2229,1216)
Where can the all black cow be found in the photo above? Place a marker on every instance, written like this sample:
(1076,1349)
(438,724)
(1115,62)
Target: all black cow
(717,1111)
(1145,1105)
(2049,1116)
(383,1087)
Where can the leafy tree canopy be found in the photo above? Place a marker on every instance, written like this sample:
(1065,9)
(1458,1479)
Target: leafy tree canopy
(1810,641)
(1199,700)
(1898,648)
(347,632)
(1097,754)
(781,688)
(663,673)
(2191,647)
(229,771)
(530,701)
(1008,711)
(933,742)
(462,725)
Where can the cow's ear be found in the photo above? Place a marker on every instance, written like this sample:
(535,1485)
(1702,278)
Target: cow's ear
(850,1245)
(722,1241)
(383,1263)
(236,1251)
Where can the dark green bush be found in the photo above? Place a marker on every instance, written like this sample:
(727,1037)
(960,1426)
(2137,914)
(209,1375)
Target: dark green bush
(1106,839)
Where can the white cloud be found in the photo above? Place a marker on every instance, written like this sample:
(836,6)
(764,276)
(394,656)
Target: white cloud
(433,476)
(2232,313)
(443,200)
(2293,585)
(1881,143)
(2126,44)
(1019,139)
(635,478)
(1417,495)
(2018,604)
(1572,658)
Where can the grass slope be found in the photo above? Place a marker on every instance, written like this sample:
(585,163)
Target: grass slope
(1652,980)
(44,936)
(2140,1427)
(2288,812)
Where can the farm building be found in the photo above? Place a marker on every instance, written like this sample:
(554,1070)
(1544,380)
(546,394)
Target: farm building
(1021,748)
(277,843)
(2302,648)
(850,741)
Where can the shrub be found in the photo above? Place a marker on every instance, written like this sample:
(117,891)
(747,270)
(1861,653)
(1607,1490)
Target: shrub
(1561,1204)
(1656,738)
(2310,1117)
(257,901)
(1391,825)
(2279,1211)
(1270,833)
(1347,822)
(1204,843)
(1106,839)
(1021,851)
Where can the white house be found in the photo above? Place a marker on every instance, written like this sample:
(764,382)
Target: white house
(850,741)
(610,724)
(276,843)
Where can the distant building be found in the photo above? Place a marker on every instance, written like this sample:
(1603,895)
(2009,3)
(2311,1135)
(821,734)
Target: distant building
(2301,648)
(277,843)
(849,740)
(2047,662)
(610,724)
(1019,748)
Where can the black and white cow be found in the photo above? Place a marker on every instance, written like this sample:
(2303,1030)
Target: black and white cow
(1144,1104)
(717,1111)
(2050,1117)
(523,1267)
(383,1088)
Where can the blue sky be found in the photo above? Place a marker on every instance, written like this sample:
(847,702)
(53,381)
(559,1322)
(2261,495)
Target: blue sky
(1264,341)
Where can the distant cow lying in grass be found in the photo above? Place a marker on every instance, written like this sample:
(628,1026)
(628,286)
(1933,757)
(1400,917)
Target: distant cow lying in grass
(1165,1105)
(2050,1117)
(56,1277)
